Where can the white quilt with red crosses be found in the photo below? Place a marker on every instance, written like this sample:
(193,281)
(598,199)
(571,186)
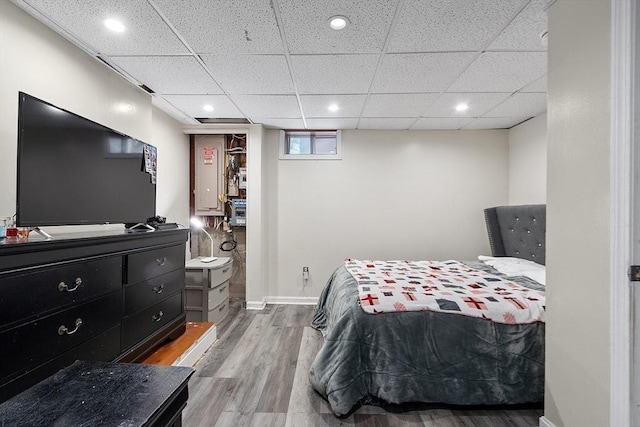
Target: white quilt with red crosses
(445,286)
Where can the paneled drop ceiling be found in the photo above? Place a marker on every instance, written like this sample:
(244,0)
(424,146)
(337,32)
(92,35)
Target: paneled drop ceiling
(399,64)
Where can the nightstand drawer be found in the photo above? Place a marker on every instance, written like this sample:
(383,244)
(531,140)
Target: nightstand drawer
(27,346)
(213,314)
(146,322)
(208,275)
(220,275)
(144,294)
(218,294)
(217,313)
(199,298)
(147,264)
(39,291)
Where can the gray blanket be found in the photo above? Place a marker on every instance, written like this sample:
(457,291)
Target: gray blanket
(421,356)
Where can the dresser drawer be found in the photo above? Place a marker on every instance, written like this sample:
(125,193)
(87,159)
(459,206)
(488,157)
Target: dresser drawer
(144,265)
(27,346)
(104,347)
(144,294)
(146,322)
(36,292)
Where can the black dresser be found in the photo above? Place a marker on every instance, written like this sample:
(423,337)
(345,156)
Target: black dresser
(112,296)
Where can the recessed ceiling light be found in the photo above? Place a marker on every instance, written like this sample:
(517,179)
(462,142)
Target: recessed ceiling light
(462,107)
(125,107)
(114,25)
(333,107)
(208,107)
(338,22)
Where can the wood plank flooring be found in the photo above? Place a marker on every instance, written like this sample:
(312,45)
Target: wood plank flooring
(257,375)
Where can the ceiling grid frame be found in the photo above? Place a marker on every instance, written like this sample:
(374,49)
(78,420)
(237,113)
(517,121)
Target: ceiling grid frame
(241,24)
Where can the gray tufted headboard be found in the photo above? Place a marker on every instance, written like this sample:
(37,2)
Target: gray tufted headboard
(517,231)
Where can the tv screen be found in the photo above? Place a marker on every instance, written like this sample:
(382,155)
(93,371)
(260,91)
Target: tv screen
(74,171)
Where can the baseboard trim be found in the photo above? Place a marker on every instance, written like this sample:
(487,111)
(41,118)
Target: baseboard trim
(260,305)
(256,305)
(292,300)
(544,422)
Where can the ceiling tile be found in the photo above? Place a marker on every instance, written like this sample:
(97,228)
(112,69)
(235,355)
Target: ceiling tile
(525,30)
(273,106)
(521,105)
(317,105)
(450,25)
(398,105)
(146,33)
(494,123)
(226,26)
(251,74)
(192,105)
(501,72)
(328,74)
(170,109)
(280,123)
(539,85)
(398,123)
(332,124)
(307,30)
(440,123)
(427,72)
(169,74)
(479,103)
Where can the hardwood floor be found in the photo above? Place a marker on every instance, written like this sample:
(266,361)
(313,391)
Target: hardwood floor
(256,375)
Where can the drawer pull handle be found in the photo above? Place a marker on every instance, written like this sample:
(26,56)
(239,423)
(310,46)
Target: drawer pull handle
(225,270)
(222,289)
(222,308)
(157,317)
(64,287)
(158,289)
(161,261)
(64,330)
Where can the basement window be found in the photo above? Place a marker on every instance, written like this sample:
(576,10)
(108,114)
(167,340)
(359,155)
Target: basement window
(310,145)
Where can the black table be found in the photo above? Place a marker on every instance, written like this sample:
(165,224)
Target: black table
(102,394)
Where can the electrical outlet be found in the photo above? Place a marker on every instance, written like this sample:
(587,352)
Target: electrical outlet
(305,273)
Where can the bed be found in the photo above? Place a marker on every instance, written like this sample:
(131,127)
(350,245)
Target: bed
(434,356)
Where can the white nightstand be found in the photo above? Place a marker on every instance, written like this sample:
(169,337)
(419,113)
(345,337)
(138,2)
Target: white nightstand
(207,289)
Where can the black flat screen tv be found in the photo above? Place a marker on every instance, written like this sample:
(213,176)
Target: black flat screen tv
(73,171)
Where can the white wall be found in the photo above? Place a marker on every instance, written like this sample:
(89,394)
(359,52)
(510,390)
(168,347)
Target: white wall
(395,195)
(172,198)
(528,162)
(578,217)
(35,60)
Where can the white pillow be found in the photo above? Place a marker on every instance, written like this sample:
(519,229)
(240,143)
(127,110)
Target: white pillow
(516,267)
